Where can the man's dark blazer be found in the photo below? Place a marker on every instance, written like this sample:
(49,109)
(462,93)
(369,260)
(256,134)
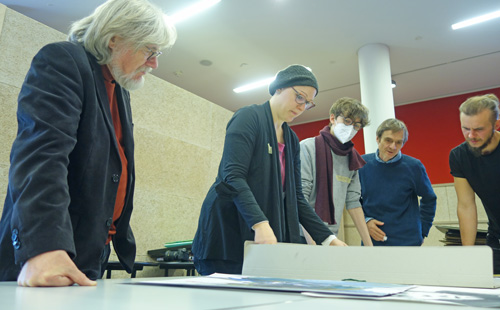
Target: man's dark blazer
(65,166)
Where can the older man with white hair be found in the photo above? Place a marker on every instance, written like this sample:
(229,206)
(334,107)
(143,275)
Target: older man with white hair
(71,179)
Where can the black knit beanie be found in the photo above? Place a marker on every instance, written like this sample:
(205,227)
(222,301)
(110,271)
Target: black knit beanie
(293,75)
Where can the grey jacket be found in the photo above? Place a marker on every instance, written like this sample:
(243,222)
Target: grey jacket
(346,186)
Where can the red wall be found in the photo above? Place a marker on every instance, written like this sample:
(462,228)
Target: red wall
(433,126)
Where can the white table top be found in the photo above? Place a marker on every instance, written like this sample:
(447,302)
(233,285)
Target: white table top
(119,294)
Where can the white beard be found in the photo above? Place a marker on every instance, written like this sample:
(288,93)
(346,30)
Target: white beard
(126,81)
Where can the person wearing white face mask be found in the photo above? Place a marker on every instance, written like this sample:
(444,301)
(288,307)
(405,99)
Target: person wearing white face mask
(344,132)
(329,168)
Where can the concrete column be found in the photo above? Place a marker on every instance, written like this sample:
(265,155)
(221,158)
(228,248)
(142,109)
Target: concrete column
(376,89)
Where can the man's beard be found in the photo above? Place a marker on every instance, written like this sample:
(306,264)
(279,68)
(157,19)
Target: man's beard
(128,81)
(477,151)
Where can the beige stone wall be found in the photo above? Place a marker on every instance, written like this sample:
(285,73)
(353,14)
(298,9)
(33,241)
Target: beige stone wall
(178,136)
(446,215)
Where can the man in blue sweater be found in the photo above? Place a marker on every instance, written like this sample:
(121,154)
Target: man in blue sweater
(391,184)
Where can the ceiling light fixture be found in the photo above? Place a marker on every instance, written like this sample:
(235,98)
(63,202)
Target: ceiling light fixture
(393,84)
(253,85)
(192,10)
(476,20)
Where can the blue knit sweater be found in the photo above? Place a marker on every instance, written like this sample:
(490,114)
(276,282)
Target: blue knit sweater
(390,194)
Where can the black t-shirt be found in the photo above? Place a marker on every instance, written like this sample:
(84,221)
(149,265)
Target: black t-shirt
(483,175)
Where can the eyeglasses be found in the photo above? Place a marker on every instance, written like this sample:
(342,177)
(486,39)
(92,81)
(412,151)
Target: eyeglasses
(348,122)
(301,99)
(153,53)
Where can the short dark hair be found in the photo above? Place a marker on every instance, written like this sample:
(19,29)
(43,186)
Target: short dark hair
(394,125)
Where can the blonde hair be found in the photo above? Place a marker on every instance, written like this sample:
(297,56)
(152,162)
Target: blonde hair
(475,105)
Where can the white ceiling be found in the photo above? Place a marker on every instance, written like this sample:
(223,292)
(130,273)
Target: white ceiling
(248,40)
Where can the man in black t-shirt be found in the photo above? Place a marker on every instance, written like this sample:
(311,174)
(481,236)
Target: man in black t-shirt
(475,166)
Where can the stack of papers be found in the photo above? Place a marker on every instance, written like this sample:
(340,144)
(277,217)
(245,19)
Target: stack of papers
(452,235)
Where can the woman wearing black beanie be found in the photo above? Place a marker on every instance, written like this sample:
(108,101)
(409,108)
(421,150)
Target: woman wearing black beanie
(257,194)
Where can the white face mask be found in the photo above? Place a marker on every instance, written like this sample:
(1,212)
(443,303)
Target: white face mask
(344,133)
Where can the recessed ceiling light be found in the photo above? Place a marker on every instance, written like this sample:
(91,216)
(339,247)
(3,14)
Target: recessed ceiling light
(476,20)
(205,62)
